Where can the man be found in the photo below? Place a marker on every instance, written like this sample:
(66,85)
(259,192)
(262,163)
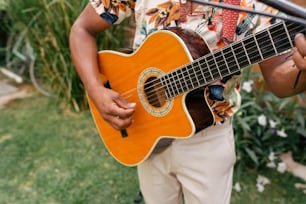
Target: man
(198,169)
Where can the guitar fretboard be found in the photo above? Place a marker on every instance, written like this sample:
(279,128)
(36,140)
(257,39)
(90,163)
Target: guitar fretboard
(231,59)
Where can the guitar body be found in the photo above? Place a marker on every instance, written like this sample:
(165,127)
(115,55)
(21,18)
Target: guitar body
(132,75)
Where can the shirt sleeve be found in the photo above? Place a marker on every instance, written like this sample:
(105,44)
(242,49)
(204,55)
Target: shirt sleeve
(113,13)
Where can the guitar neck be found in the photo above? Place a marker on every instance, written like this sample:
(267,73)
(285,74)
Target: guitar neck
(229,60)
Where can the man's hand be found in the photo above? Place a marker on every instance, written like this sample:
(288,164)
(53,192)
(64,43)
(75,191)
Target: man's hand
(114,109)
(299,53)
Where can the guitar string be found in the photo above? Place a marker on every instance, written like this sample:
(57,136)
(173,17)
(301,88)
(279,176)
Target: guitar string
(152,91)
(208,71)
(242,51)
(162,91)
(256,50)
(129,93)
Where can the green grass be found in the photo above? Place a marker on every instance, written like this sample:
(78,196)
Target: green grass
(48,156)
(53,156)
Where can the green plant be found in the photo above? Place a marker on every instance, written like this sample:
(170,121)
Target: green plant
(3,31)
(267,125)
(39,32)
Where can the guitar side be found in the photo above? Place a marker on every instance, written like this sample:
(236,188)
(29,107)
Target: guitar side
(162,52)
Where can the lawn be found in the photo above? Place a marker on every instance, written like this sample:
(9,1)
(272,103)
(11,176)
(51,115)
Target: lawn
(50,155)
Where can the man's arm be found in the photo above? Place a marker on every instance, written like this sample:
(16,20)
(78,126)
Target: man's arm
(112,107)
(285,75)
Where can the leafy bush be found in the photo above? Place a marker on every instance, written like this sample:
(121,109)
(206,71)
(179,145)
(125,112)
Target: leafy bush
(39,38)
(267,125)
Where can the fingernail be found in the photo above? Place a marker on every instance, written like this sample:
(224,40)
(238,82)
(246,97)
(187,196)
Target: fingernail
(132,104)
(299,35)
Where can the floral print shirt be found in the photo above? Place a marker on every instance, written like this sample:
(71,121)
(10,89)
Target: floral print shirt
(222,96)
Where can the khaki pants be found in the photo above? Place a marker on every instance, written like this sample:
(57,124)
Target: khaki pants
(197,170)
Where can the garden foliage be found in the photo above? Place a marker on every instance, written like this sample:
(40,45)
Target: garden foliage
(39,36)
(267,126)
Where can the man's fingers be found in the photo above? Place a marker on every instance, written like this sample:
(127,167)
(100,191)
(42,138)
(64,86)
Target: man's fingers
(119,117)
(300,41)
(299,59)
(122,103)
(120,123)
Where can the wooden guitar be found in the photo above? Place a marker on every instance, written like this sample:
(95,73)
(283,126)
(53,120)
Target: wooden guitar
(162,77)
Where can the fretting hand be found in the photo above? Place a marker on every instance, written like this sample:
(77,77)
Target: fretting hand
(299,53)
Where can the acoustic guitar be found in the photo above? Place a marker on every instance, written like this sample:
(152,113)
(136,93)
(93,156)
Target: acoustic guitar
(163,77)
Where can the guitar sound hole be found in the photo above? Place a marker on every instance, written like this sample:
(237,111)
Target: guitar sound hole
(154,92)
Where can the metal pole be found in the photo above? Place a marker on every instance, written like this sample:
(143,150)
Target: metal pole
(294,18)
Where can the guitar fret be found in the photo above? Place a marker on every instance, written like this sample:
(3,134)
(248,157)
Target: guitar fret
(288,35)
(265,44)
(175,79)
(186,79)
(210,77)
(243,46)
(237,63)
(293,29)
(166,84)
(271,39)
(165,87)
(171,85)
(240,54)
(212,67)
(217,66)
(222,64)
(189,80)
(199,65)
(198,69)
(196,76)
(231,54)
(225,61)
(252,52)
(281,38)
(185,87)
(191,74)
(255,40)
(178,79)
